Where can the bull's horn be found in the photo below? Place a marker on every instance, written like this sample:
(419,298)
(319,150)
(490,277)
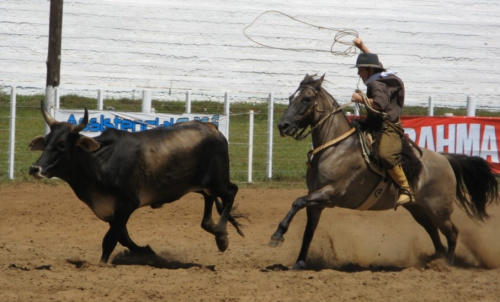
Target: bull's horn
(82,124)
(46,115)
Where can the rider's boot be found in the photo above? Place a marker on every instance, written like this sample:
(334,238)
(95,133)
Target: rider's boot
(399,177)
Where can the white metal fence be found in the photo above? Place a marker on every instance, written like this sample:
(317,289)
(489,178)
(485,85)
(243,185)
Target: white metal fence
(252,149)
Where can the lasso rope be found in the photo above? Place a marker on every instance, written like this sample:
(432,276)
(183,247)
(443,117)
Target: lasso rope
(341,33)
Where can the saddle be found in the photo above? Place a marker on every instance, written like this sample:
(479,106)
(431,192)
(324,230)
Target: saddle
(369,130)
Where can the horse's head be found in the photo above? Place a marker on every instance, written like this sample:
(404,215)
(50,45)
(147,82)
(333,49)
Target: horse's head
(301,110)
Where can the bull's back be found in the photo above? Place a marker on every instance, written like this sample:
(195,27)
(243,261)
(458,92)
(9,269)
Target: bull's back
(176,160)
(180,140)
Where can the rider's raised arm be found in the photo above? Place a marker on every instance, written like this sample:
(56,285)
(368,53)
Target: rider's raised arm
(359,44)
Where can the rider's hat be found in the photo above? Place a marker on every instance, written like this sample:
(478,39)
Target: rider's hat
(369,60)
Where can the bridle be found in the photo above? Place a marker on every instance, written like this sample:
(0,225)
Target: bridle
(300,135)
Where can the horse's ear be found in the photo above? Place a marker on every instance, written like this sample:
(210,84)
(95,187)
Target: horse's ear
(318,82)
(321,79)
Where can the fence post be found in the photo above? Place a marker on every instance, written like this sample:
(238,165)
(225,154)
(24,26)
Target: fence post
(146,101)
(430,109)
(56,99)
(12,135)
(250,146)
(356,110)
(100,100)
(270,122)
(49,103)
(471,106)
(226,112)
(188,102)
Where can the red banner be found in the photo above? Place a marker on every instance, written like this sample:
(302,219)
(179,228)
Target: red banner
(473,136)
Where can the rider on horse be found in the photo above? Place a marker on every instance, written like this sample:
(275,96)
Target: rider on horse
(385,93)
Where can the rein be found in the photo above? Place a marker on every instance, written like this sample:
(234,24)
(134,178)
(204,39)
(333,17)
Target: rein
(329,144)
(300,136)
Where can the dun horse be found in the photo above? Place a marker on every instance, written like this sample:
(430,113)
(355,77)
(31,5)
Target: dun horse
(339,175)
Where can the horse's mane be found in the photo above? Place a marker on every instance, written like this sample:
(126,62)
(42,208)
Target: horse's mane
(309,79)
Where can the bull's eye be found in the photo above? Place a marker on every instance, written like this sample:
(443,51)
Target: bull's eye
(61,146)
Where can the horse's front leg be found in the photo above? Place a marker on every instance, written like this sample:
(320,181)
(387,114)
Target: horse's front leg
(318,198)
(313,215)
(277,238)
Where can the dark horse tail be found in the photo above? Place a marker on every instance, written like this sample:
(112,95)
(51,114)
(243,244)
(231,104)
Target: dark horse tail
(476,184)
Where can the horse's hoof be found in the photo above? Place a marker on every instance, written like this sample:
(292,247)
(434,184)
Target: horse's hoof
(300,265)
(276,241)
(222,242)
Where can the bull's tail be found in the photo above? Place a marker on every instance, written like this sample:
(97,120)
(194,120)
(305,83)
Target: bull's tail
(476,184)
(233,217)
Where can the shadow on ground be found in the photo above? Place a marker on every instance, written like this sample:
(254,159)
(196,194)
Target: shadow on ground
(158,261)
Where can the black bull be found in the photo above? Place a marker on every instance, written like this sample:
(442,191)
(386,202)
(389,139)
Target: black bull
(118,172)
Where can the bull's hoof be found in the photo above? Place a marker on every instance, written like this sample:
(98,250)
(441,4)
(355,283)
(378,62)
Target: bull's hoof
(276,241)
(300,265)
(222,242)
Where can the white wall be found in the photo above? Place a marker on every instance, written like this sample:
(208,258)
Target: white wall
(445,49)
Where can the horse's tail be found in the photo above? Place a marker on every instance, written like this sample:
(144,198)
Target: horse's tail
(476,184)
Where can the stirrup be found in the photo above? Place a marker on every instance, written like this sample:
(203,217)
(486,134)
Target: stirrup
(404,196)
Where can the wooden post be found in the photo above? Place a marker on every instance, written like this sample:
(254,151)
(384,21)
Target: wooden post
(55,37)
(54,54)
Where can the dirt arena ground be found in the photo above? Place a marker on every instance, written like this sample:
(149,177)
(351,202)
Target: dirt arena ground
(50,245)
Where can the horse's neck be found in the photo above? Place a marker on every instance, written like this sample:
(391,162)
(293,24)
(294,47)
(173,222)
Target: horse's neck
(333,127)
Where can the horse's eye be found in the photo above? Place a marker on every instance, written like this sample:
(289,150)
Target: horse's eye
(306,100)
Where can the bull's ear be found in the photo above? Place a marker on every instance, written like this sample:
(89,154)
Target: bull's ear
(37,144)
(88,144)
